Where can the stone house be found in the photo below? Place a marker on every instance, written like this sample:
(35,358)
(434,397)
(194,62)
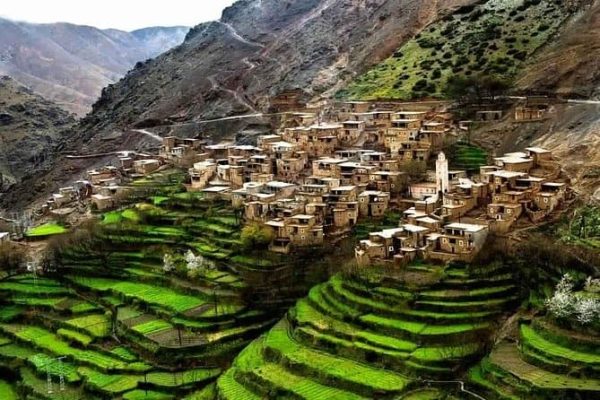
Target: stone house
(373,203)
(355,173)
(343,208)
(102,202)
(202,173)
(327,167)
(412,151)
(550,196)
(423,190)
(396,245)
(297,231)
(459,241)
(524,113)
(392,182)
(102,175)
(539,155)
(145,167)
(514,162)
(350,132)
(290,169)
(504,211)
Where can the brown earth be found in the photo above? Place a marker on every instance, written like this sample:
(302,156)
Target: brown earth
(571,64)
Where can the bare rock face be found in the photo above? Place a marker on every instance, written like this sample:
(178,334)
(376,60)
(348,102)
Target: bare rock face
(31,131)
(70,64)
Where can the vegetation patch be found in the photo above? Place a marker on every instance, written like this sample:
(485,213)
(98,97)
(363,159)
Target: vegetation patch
(493,38)
(45,230)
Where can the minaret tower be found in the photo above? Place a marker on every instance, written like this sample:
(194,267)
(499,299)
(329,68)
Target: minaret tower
(441,174)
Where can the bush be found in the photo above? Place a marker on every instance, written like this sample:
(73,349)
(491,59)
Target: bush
(256,236)
(420,85)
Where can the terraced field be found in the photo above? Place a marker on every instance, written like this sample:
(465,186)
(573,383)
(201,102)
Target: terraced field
(354,338)
(468,157)
(548,362)
(114,324)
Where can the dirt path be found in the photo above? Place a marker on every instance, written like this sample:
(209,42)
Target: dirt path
(238,37)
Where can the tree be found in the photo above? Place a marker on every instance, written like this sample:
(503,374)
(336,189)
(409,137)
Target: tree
(87,239)
(256,236)
(168,263)
(12,257)
(475,88)
(416,170)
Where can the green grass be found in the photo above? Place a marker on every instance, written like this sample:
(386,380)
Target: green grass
(97,325)
(49,229)
(33,289)
(531,337)
(44,364)
(231,389)
(468,157)
(307,315)
(150,294)
(146,395)
(250,359)
(338,367)
(40,389)
(112,384)
(75,336)
(16,351)
(7,391)
(124,353)
(151,327)
(48,341)
(175,379)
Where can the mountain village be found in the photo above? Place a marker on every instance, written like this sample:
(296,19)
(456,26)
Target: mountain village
(316,177)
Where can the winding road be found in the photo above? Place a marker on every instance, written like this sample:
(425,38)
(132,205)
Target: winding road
(149,134)
(240,38)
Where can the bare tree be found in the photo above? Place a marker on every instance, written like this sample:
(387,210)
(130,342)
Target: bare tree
(12,257)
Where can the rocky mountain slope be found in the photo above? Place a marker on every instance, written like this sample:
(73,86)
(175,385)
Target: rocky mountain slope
(70,64)
(571,64)
(258,49)
(491,37)
(31,129)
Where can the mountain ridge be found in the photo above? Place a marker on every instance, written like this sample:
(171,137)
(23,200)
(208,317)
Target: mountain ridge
(70,64)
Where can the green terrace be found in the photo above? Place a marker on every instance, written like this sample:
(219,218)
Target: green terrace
(364,337)
(467,157)
(548,362)
(45,230)
(71,340)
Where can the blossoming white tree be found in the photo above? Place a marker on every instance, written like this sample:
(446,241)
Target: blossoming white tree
(566,304)
(168,263)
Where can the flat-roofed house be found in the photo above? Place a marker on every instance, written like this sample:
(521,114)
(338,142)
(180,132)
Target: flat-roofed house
(459,241)
(372,203)
(201,173)
(145,167)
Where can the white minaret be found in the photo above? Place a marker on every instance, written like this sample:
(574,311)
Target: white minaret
(441,174)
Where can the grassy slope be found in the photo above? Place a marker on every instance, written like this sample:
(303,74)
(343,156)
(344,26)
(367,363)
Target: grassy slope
(496,38)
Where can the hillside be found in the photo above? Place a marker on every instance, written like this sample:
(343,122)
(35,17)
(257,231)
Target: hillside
(571,65)
(493,37)
(70,64)
(258,50)
(30,129)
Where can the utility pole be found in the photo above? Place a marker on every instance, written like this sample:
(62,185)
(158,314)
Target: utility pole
(48,379)
(61,373)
